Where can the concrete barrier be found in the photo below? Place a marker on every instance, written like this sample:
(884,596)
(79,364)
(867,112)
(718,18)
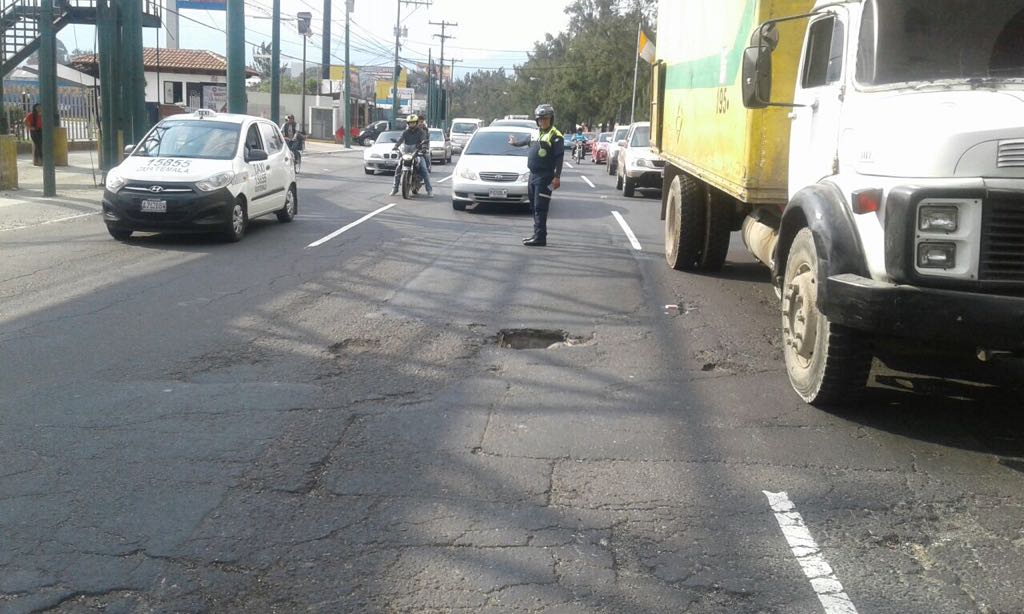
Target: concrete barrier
(8,162)
(60,147)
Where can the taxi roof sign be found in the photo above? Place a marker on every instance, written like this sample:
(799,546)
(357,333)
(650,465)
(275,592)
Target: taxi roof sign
(201,113)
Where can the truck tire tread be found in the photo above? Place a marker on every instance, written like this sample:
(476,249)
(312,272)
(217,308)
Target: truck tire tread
(684,224)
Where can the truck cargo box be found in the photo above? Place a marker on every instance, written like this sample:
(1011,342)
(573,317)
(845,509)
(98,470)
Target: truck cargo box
(699,124)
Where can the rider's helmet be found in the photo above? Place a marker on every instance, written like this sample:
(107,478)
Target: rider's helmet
(544,110)
(412,119)
(579,129)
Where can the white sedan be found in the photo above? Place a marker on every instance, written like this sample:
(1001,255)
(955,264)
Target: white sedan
(381,155)
(440,147)
(492,171)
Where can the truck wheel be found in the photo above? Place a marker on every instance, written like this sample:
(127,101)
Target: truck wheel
(717,230)
(684,223)
(628,187)
(827,364)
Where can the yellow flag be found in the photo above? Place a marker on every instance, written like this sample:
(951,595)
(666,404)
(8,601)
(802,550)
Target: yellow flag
(645,46)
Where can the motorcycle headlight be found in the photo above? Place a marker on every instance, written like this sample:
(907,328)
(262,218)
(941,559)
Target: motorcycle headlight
(114,181)
(467,173)
(216,182)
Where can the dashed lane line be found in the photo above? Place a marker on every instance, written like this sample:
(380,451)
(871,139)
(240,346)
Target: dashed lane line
(337,232)
(567,164)
(590,183)
(445,179)
(823,580)
(629,231)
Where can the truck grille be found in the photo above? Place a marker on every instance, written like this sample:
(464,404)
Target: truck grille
(499,177)
(1011,154)
(1002,241)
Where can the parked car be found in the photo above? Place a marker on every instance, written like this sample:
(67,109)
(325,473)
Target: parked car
(639,166)
(490,170)
(440,147)
(599,151)
(372,132)
(613,148)
(381,156)
(462,129)
(202,172)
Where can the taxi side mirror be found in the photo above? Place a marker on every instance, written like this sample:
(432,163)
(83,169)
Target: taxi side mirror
(128,149)
(255,155)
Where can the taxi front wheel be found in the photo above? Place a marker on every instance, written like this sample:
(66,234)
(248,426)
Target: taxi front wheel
(236,225)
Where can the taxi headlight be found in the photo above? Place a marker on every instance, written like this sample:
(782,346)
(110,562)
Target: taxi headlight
(932,218)
(114,181)
(467,173)
(216,182)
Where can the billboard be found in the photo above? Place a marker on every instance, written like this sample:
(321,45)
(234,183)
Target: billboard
(405,95)
(205,5)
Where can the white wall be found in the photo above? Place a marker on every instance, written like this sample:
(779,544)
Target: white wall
(154,90)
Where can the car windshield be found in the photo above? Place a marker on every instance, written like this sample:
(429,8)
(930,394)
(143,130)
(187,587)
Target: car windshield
(604,137)
(436,135)
(496,144)
(463,127)
(620,134)
(190,139)
(905,41)
(641,137)
(389,137)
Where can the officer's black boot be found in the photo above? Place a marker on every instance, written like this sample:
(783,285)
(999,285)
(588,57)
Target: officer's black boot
(535,242)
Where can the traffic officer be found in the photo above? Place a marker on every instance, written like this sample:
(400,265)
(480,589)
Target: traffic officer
(545,164)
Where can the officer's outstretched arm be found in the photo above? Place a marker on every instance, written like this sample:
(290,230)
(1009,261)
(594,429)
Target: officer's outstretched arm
(520,142)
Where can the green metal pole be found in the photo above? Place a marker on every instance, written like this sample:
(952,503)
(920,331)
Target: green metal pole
(105,27)
(236,56)
(134,71)
(47,85)
(348,77)
(275,64)
(398,67)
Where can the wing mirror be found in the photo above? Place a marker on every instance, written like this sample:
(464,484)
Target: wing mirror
(757,77)
(256,155)
(621,143)
(128,149)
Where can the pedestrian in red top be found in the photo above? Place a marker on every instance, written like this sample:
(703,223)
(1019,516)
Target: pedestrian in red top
(34,123)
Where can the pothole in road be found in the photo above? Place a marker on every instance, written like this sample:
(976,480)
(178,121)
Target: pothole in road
(537,338)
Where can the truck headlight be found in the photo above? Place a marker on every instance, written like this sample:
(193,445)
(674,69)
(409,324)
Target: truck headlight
(936,255)
(467,173)
(216,182)
(934,218)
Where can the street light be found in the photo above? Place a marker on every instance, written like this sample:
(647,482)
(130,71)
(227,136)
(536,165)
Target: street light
(303,22)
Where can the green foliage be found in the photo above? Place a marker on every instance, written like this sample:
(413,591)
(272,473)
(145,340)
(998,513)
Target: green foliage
(586,72)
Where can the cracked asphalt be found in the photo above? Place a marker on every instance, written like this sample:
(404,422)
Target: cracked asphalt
(193,426)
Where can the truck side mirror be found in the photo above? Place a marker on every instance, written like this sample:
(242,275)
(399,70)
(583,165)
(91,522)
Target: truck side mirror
(757,77)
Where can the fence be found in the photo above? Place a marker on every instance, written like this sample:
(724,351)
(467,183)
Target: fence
(76,108)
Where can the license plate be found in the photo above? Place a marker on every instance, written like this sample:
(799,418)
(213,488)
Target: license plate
(154,206)
(498,193)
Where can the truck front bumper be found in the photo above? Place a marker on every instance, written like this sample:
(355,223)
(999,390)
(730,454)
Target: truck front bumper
(946,317)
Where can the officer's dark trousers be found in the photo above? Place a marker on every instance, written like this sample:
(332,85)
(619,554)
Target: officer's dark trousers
(540,200)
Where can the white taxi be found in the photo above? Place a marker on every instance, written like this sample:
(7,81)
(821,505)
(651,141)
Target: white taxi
(202,172)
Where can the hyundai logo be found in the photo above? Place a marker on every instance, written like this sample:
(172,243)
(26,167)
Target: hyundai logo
(156,189)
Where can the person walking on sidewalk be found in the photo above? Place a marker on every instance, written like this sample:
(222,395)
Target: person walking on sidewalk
(545,163)
(34,123)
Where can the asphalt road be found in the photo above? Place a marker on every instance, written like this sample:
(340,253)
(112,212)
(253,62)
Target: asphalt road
(188,425)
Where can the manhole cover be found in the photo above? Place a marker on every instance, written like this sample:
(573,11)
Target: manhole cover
(535,338)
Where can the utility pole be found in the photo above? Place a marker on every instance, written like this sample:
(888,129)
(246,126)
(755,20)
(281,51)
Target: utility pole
(398,45)
(350,5)
(236,56)
(275,64)
(135,83)
(48,84)
(448,96)
(444,26)
(303,23)
(325,45)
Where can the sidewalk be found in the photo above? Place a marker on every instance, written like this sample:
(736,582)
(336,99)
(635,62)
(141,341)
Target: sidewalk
(329,147)
(79,192)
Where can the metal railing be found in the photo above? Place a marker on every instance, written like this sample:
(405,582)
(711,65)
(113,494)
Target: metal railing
(76,108)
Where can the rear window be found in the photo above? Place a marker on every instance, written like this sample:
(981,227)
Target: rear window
(464,128)
(496,144)
(436,135)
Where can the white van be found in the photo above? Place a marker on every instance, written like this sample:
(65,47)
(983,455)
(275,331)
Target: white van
(462,129)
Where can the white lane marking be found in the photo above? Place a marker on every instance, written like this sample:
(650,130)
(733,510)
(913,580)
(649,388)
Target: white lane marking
(445,179)
(337,232)
(629,231)
(54,221)
(567,164)
(823,580)
(588,181)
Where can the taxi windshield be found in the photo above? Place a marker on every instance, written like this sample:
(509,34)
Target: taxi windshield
(190,139)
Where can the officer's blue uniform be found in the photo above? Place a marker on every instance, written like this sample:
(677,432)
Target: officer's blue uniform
(545,163)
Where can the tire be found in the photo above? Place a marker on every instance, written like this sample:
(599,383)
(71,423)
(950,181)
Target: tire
(683,224)
(610,168)
(827,364)
(235,229)
(291,207)
(368,171)
(119,234)
(458,206)
(628,187)
(406,184)
(717,230)
(618,182)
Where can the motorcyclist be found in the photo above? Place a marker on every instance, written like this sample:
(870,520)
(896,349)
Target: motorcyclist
(414,135)
(290,131)
(578,140)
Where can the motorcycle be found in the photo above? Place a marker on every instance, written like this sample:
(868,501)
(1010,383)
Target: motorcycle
(411,181)
(579,151)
